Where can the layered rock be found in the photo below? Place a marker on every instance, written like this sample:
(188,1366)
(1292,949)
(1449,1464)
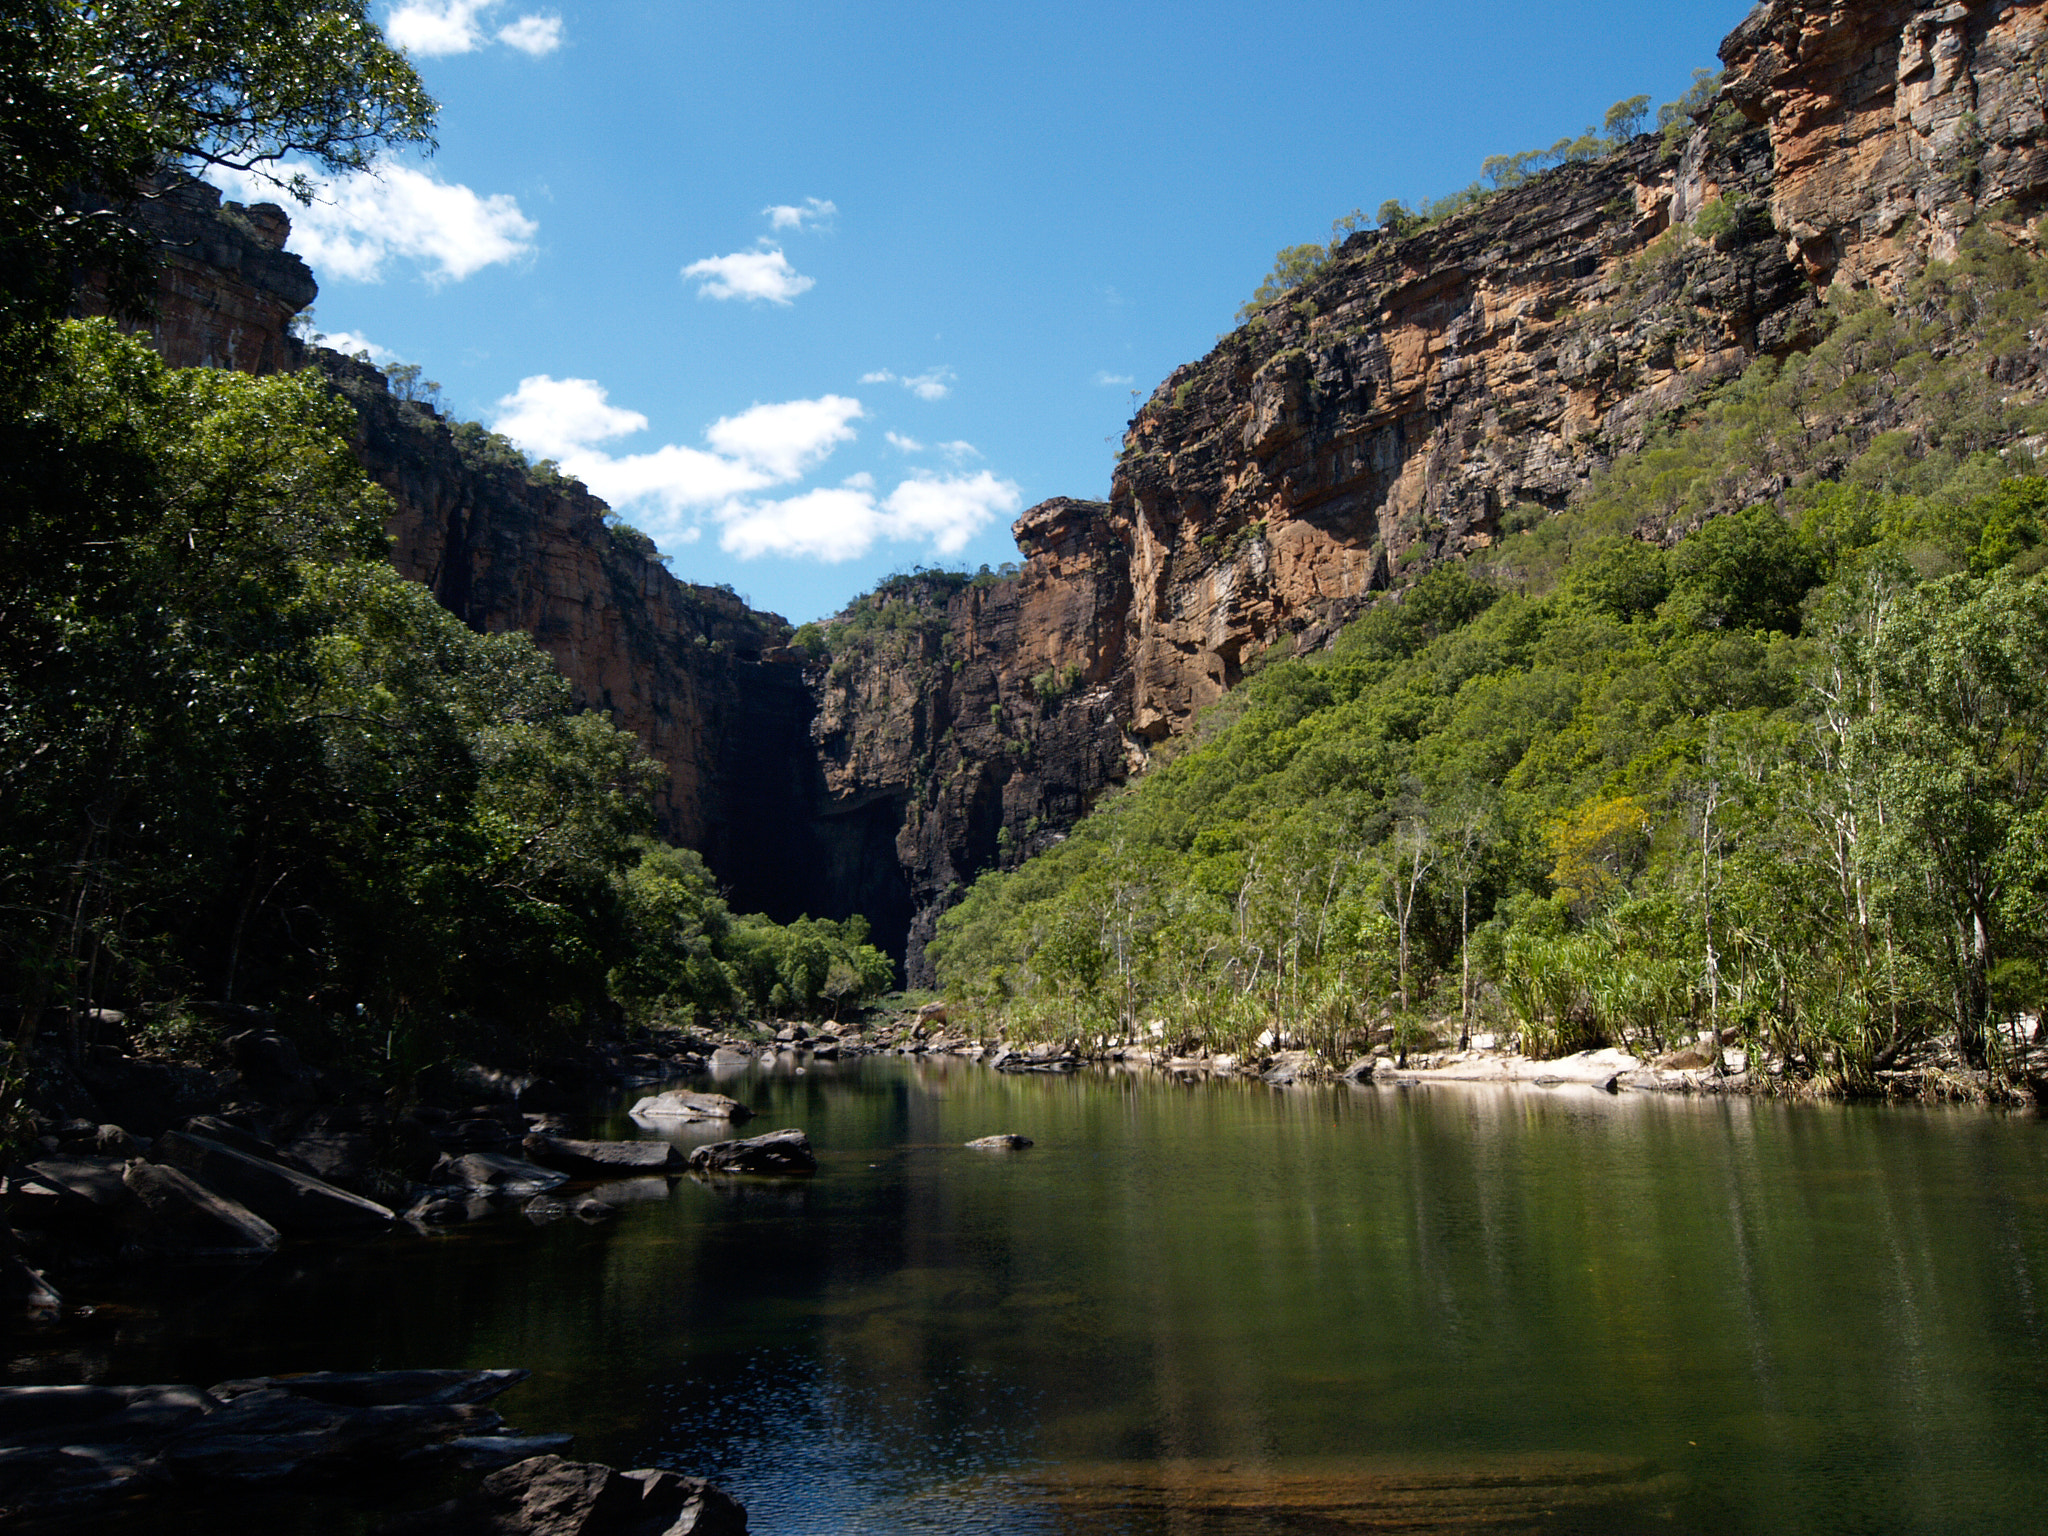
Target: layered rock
(1892,125)
(227,290)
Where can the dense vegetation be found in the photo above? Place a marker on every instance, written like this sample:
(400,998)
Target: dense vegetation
(242,762)
(1780,778)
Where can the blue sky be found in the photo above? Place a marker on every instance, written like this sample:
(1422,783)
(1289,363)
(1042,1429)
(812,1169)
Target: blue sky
(816,292)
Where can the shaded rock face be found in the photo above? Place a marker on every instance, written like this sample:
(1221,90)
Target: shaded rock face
(228,289)
(1892,124)
(696,674)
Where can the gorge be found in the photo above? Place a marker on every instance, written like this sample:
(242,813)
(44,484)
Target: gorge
(1420,395)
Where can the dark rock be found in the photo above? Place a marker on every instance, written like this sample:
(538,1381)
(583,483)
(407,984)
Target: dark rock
(438,1212)
(593,1210)
(22,1289)
(181,1218)
(680,1104)
(297,1204)
(83,1186)
(380,1389)
(149,1097)
(787,1151)
(1008,1141)
(549,1496)
(603,1159)
(496,1174)
(114,1142)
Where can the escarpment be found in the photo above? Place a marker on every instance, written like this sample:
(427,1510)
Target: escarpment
(1423,396)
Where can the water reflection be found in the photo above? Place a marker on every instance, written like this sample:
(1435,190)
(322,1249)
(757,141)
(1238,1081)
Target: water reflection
(1202,1307)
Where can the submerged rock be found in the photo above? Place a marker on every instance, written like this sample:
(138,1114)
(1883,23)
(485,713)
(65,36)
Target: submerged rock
(493,1173)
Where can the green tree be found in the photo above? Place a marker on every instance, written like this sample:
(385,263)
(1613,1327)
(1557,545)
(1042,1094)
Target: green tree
(1958,736)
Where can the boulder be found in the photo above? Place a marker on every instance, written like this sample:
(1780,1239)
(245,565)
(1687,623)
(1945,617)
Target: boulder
(680,1104)
(1008,1141)
(22,1289)
(493,1173)
(295,1203)
(550,1496)
(604,1159)
(181,1218)
(76,1186)
(786,1151)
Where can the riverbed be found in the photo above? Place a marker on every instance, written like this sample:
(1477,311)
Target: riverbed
(1218,1307)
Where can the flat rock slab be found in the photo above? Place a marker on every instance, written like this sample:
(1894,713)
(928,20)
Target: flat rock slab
(1008,1141)
(493,1173)
(787,1151)
(1589,1069)
(681,1104)
(295,1203)
(181,1218)
(604,1159)
(80,1183)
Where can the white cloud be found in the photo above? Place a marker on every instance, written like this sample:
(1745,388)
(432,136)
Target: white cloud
(756,276)
(832,525)
(572,421)
(534,35)
(1105,378)
(845,522)
(356,223)
(933,385)
(569,419)
(352,343)
(959,452)
(557,417)
(812,213)
(431,28)
(790,439)
(903,444)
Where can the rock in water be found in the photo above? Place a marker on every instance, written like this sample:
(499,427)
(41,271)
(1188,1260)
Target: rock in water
(603,1159)
(786,1151)
(492,1173)
(1008,1141)
(680,1104)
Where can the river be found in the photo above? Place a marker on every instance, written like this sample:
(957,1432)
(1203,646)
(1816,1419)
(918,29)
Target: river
(1222,1308)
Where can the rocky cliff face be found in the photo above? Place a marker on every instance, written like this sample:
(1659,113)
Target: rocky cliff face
(228,289)
(698,676)
(703,680)
(1892,125)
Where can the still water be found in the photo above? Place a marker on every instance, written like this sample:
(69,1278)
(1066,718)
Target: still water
(1223,1308)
